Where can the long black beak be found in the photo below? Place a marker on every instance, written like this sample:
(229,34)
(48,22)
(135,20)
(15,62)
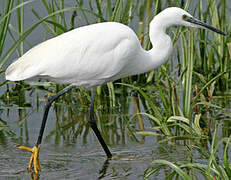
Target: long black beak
(203,25)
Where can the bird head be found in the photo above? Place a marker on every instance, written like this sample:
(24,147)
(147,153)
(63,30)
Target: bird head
(177,16)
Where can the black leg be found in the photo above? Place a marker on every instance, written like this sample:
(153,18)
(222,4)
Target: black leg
(93,125)
(103,171)
(34,160)
(46,111)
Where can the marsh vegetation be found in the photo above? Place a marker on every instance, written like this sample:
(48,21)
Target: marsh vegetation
(171,123)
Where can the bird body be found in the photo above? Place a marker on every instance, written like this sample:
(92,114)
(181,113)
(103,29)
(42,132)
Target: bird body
(95,54)
(86,56)
(92,55)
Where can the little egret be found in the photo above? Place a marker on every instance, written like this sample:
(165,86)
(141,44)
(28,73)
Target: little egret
(96,54)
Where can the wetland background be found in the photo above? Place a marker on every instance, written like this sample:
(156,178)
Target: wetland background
(171,123)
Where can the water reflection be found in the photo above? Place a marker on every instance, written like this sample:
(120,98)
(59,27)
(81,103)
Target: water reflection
(70,149)
(68,137)
(103,171)
(34,176)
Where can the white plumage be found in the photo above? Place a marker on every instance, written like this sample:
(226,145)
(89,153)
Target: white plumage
(93,55)
(86,56)
(98,53)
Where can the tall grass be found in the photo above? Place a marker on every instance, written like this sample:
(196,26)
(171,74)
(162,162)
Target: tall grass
(5,19)
(179,98)
(204,72)
(212,168)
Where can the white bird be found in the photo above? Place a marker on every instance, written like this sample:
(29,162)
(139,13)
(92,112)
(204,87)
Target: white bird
(96,54)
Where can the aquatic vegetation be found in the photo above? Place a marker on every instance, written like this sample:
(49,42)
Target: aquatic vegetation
(187,100)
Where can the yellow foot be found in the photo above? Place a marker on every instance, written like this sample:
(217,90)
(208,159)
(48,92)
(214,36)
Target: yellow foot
(34,159)
(34,176)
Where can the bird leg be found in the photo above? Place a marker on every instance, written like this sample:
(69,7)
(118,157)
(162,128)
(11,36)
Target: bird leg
(34,160)
(93,125)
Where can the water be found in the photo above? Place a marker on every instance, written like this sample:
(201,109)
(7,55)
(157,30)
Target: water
(69,149)
(83,162)
(64,156)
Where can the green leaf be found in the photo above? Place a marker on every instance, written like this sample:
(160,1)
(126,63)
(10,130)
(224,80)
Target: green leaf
(148,133)
(176,168)
(226,162)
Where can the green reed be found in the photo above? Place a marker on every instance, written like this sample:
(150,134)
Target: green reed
(179,98)
(5,28)
(5,20)
(213,168)
(204,72)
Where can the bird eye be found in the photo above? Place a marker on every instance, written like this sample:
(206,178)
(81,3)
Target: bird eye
(185,17)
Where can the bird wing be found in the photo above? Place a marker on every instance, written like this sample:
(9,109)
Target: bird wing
(87,55)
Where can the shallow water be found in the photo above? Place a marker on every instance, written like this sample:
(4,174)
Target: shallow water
(80,159)
(64,157)
(85,162)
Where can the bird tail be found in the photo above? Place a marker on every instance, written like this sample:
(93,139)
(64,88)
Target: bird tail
(19,70)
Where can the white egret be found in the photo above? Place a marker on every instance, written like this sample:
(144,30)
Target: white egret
(96,54)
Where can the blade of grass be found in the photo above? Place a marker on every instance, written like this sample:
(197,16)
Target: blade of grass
(26,33)
(205,86)
(176,168)
(4,26)
(226,162)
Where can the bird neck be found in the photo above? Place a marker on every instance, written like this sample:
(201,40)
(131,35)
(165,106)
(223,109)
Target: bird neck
(161,42)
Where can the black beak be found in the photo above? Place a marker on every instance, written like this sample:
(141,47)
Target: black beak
(203,25)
